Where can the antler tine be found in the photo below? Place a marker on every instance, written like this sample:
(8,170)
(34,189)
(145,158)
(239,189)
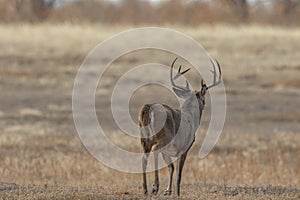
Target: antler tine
(214,70)
(187,85)
(178,75)
(220,76)
(171,71)
(215,82)
(185,71)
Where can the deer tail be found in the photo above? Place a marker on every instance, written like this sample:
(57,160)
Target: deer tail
(144,116)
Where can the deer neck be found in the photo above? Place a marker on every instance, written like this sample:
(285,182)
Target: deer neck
(190,109)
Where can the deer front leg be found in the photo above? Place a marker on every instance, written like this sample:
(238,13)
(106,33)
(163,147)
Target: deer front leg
(180,163)
(168,161)
(144,165)
(155,185)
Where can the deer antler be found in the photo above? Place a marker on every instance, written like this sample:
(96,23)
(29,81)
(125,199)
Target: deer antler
(179,73)
(216,82)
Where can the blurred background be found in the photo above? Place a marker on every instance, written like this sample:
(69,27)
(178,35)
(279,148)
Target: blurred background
(44,42)
(153,12)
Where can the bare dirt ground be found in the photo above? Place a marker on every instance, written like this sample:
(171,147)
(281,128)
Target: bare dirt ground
(257,156)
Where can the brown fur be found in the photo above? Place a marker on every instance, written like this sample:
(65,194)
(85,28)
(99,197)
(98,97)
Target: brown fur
(144,117)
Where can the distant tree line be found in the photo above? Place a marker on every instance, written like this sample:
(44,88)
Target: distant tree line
(185,12)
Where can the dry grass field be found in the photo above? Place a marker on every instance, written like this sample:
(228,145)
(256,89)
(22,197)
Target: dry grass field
(41,157)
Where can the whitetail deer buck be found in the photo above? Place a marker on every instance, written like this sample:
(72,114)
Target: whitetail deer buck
(176,135)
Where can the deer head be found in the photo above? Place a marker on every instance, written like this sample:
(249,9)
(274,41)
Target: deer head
(186,93)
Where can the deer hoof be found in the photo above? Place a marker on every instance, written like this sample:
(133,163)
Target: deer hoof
(154,189)
(167,192)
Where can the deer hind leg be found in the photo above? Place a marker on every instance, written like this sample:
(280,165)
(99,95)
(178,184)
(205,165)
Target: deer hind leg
(144,165)
(146,149)
(180,163)
(155,186)
(168,161)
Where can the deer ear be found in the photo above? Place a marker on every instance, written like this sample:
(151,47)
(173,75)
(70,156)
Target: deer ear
(203,90)
(181,93)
